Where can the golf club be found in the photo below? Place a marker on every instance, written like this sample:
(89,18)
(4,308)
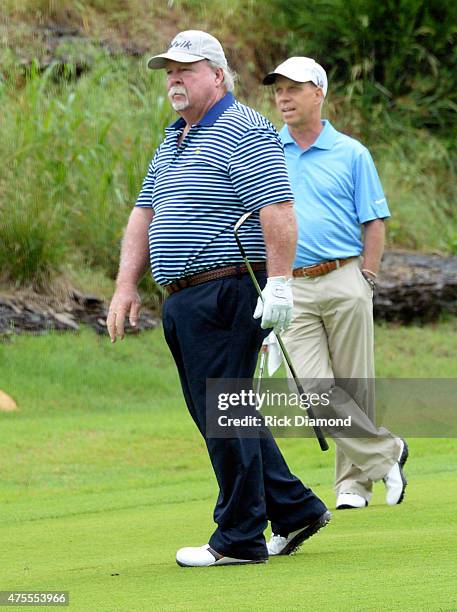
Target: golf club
(317,430)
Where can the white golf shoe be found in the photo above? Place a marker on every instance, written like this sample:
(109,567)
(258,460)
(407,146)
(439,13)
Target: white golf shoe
(205,556)
(348,501)
(281,545)
(395,480)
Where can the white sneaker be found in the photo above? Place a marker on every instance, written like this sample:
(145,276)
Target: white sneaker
(205,556)
(347,501)
(281,545)
(395,480)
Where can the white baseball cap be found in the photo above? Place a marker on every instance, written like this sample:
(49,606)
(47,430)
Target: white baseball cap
(302,70)
(191,46)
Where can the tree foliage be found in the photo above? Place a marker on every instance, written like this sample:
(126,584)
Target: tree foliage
(401,54)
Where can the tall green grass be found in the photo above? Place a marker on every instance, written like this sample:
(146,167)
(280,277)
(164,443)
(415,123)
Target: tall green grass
(75,153)
(75,148)
(420,176)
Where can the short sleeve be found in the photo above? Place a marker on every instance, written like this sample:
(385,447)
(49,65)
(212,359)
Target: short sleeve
(257,169)
(144,199)
(370,200)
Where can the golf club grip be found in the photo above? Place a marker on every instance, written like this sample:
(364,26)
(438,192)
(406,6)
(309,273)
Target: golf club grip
(318,431)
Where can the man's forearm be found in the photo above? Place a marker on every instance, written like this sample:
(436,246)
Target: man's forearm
(135,248)
(374,236)
(280,235)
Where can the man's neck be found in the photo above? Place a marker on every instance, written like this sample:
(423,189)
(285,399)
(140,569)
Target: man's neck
(193,116)
(306,135)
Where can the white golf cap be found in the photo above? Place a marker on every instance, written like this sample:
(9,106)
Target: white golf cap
(302,70)
(191,46)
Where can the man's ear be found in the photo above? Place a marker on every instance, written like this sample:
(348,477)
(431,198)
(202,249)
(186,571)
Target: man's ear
(219,76)
(319,96)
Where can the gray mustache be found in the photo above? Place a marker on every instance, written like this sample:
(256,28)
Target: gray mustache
(177,89)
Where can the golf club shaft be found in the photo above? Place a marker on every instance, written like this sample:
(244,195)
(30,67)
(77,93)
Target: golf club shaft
(263,353)
(317,430)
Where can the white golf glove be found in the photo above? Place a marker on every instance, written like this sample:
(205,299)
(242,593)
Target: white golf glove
(276,308)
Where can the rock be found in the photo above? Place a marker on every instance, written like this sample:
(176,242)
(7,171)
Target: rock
(7,404)
(86,301)
(416,287)
(25,312)
(411,287)
(67,320)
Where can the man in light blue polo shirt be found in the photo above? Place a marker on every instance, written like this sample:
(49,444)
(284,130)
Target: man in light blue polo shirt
(219,160)
(337,192)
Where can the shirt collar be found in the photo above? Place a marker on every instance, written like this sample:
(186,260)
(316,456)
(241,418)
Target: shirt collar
(212,115)
(325,140)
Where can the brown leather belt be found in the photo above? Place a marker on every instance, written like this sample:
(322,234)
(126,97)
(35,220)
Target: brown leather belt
(322,268)
(204,277)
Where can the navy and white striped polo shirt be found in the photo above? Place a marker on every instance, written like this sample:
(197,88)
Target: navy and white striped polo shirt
(229,163)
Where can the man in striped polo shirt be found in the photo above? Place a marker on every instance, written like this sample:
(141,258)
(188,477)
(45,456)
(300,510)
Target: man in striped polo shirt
(219,160)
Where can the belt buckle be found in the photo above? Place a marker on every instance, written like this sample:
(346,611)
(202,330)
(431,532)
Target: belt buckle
(305,273)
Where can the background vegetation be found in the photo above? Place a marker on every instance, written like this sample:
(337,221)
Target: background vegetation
(81,116)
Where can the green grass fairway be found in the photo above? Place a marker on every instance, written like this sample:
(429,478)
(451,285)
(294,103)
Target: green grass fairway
(103,476)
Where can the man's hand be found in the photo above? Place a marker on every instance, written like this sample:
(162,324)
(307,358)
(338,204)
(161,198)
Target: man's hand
(277,305)
(125,301)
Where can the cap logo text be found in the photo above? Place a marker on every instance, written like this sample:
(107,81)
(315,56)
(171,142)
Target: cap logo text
(182,44)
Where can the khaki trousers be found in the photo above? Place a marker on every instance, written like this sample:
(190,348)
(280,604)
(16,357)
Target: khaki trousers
(331,336)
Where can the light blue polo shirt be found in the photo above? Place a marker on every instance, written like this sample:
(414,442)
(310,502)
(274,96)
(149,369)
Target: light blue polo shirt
(230,163)
(336,188)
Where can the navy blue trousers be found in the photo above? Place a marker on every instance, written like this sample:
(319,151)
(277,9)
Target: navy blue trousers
(211,334)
